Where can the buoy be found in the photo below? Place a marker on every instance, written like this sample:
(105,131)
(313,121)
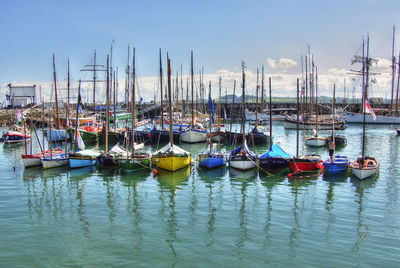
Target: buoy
(149,135)
(290,175)
(154,171)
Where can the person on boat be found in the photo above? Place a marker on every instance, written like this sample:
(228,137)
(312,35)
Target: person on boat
(331,148)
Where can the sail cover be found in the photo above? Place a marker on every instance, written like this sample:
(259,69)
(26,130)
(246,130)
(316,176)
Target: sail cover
(275,151)
(241,148)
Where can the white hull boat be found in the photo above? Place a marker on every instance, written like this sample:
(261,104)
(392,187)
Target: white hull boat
(193,136)
(54,162)
(353,118)
(365,167)
(316,141)
(31,162)
(242,164)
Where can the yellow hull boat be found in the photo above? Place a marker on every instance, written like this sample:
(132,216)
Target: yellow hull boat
(171,163)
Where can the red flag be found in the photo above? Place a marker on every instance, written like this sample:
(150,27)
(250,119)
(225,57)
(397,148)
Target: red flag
(368,109)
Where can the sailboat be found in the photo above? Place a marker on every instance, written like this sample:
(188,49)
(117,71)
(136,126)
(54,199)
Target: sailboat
(82,158)
(241,157)
(364,166)
(256,136)
(338,163)
(33,160)
(171,157)
(159,134)
(106,160)
(194,133)
(137,159)
(316,140)
(306,163)
(218,134)
(57,134)
(275,158)
(211,158)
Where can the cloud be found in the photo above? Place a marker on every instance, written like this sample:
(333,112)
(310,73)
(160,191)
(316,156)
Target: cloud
(282,65)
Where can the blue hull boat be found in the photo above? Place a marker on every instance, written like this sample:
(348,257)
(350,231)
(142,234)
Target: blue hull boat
(337,165)
(212,160)
(81,162)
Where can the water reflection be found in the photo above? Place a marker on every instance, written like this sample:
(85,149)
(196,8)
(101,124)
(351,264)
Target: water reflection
(298,185)
(332,180)
(362,229)
(132,182)
(269,182)
(170,183)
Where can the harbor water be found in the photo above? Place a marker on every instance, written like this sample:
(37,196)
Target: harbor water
(204,218)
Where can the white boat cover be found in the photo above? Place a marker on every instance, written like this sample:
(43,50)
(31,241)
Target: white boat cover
(167,149)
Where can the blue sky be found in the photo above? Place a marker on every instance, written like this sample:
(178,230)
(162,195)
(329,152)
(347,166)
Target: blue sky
(221,34)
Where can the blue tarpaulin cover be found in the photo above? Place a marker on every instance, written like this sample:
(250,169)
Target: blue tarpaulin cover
(275,151)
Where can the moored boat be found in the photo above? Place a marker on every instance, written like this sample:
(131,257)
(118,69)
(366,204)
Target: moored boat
(364,167)
(54,161)
(338,164)
(32,160)
(83,158)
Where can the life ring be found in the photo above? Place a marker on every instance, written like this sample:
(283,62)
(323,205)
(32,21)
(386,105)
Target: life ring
(366,163)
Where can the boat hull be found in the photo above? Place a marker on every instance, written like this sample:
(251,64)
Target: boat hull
(299,165)
(171,163)
(211,160)
(133,164)
(193,136)
(271,164)
(31,162)
(81,161)
(316,142)
(380,119)
(258,138)
(48,163)
(338,165)
(288,124)
(364,168)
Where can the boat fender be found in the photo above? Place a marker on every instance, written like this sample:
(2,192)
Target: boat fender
(155,171)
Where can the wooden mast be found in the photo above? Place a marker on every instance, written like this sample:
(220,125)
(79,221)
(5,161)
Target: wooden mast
(67,114)
(162,94)
(191,74)
(398,82)
(77,109)
(107,103)
(94,80)
(133,102)
(220,103)
(393,71)
(171,137)
(316,99)
(366,68)
(333,114)
(297,127)
(256,125)
(270,113)
(262,87)
(128,73)
(243,96)
(233,104)
(55,90)
(210,112)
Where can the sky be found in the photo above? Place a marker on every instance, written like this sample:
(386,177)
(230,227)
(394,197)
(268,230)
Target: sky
(221,34)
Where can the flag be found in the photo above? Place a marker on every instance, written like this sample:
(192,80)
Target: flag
(18,116)
(80,109)
(368,109)
(79,140)
(211,106)
(141,100)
